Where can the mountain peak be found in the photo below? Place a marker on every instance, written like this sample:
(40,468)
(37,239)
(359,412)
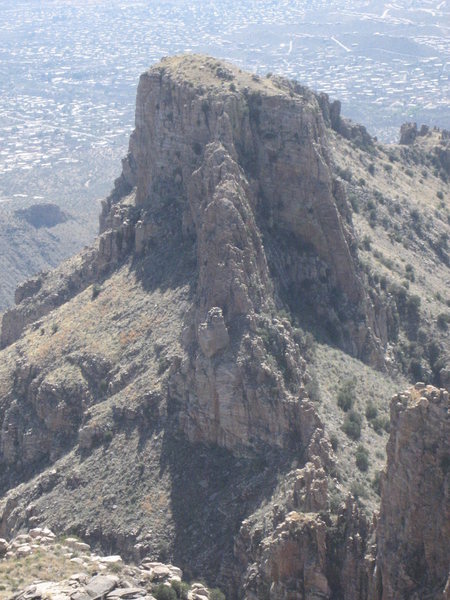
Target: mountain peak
(160,391)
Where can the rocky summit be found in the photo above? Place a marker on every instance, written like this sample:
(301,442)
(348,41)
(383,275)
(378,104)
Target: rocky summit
(206,385)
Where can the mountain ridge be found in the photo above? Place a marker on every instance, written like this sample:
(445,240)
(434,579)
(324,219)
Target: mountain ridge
(179,350)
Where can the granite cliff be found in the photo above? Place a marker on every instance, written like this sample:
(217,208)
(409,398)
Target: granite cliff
(159,396)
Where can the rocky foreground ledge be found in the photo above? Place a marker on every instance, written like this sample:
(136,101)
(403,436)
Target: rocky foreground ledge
(38,565)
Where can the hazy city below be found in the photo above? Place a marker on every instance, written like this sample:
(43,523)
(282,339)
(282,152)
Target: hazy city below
(69,71)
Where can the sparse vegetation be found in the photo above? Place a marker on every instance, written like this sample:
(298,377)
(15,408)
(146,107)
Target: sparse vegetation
(181,589)
(164,592)
(334,441)
(358,490)
(96,289)
(376,483)
(442,321)
(216,594)
(352,425)
(339,384)
(371,411)
(313,389)
(362,458)
(380,423)
(345,174)
(346,395)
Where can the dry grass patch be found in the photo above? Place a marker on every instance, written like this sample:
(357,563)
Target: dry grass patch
(45,564)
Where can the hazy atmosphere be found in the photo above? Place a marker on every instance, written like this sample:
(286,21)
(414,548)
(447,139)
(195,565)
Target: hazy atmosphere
(224,300)
(69,71)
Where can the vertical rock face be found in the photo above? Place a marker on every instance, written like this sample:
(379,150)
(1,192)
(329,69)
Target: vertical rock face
(234,161)
(413,530)
(237,167)
(232,171)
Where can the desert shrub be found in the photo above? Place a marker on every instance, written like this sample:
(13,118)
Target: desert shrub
(345,174)
(358,490)
(371,411)
(346,395)
(96,289)
(181,589)
(442,242)
(442,321)
(313,389)
(409,272)
(107,439)
(197,148)
(334,441)
(352,425)
(440,195)
(164,592)
(354,202)
(103,386)
(371,169)
(163,364)
(433,351)
(115,567)
(380,423)
(416,369)
(216,594)
(376,483)
(362,458)
(366,242)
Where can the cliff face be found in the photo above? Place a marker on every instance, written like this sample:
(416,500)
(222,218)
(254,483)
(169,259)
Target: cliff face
(413,529)
(235,169)
(155,397)
(246,158)
(239,167)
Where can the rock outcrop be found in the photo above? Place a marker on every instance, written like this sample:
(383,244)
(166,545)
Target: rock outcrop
(73,572)
(155,396)
(354,132)
(413,528)
(217,186)
(209,151)
(205,162)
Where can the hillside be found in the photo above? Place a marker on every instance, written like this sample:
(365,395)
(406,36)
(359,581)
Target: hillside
(209,383)
(37,237)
